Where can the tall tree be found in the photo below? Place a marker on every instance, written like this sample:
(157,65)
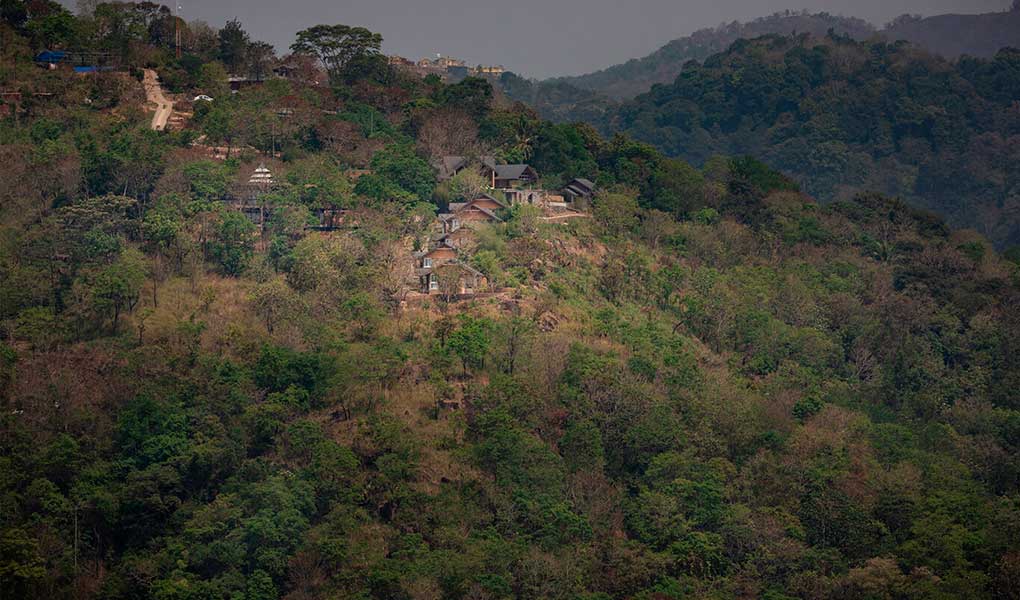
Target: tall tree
(337,46)
(233,45)
(259,56)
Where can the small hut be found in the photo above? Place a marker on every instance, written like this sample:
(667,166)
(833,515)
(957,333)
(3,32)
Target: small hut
(261,177)
(260,182)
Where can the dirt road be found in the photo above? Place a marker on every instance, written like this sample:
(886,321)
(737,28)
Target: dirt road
(154,94)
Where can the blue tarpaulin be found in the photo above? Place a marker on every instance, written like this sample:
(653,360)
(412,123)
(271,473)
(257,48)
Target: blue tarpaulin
(51,56)
(91,69)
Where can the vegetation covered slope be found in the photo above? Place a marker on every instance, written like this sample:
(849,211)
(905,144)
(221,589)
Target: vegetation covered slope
(588,97)
(556,100)
(712,388)
(842,116)
(638,75)
(953,36)
(584,97)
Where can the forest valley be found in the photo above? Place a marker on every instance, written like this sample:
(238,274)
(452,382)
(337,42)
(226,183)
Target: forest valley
(714,387)
(831,104)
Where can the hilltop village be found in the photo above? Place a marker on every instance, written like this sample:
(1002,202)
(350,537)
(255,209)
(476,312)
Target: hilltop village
(442,265)
(450,69)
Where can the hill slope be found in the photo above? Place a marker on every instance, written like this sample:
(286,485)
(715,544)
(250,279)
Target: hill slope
(662,66)
(220,386)
(952,36)
(842,116)
(586,96)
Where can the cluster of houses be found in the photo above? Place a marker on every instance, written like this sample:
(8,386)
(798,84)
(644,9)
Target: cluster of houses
(449,69)
(443,267)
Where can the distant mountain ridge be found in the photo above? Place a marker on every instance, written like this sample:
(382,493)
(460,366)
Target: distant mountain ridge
(638,75)
(586,97)
(953,35)
(842,117)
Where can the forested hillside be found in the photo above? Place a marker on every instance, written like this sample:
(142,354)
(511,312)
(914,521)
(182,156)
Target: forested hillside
(842,116)
(953,36)
(586,97)
(706,385)
(638,75)
(950,36)
(556,100)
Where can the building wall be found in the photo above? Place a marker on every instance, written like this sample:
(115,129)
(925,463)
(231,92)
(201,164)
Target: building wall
(441,255)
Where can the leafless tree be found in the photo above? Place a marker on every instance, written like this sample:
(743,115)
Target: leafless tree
(339,137)
(448,132)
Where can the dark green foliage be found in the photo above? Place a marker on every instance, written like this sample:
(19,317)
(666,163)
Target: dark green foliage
(807,406)
(714,387)
(233,244)
(343,50)
(233,43)
(470,342)
(279,368)
(152,431)
(771,97)
(398,174)
(471,95)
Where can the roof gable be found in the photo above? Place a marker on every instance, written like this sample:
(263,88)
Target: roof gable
(513,171)
(484,196)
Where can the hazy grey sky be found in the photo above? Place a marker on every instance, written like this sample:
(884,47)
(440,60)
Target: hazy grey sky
(536,38)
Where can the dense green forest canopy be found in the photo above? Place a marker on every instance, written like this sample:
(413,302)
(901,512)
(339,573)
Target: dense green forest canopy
(714,387)
(638,75)
(581,97)
(842,116)
(588,97)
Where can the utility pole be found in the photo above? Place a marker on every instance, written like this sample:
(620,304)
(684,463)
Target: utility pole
(177,28)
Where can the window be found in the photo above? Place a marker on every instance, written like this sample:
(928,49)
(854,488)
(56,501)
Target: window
(426,263)
(433,284)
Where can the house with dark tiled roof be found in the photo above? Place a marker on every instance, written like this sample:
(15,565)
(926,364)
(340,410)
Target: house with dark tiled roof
(500,176)
(578,188)
(510,176)
(448,166)
(482,209)
(441,252)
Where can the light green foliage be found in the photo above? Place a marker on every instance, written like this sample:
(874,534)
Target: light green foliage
(617,213)
(212,80)
(233,242)
(398,174)
(275,302)
(316,182)
(716,387)
(470,342)
(116,288)
(208,180)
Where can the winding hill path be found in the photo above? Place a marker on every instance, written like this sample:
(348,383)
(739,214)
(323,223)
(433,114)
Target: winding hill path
(154,94)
